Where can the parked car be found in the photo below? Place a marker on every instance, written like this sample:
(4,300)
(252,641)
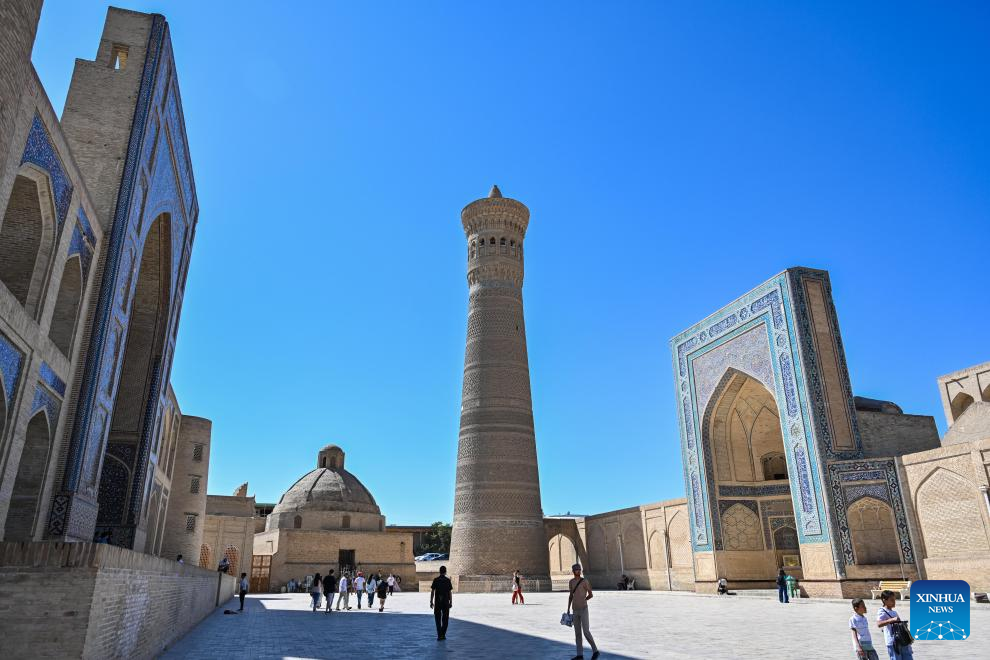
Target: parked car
(441,557)
(429,556)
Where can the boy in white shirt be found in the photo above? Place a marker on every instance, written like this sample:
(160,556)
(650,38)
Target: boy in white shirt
(885,618)
(860,627)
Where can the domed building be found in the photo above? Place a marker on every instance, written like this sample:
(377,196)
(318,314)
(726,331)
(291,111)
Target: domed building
(329,519)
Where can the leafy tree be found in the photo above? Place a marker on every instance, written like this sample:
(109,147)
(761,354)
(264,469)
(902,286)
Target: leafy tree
(437,539)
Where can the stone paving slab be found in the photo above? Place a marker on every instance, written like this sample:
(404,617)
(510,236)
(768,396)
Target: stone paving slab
(626,625)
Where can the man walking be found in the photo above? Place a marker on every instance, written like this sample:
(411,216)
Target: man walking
(441,600)
(359,587)
(578,601)
(329,588)
(342,596)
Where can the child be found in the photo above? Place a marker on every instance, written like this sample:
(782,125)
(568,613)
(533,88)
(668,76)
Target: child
(860,627)
(887,616)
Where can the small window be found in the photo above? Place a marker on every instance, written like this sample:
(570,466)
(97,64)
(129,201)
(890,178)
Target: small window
(118,57)
(194,485)
(491,241)
(297,522)
(346,522)
(190,522)
(323,462)
(502,242)
(198,453)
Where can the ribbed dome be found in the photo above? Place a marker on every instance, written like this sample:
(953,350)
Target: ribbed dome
(327,489)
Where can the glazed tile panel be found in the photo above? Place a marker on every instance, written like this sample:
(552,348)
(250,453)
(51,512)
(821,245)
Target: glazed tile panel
(757,336)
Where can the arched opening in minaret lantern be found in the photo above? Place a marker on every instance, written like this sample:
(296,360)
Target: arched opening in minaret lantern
(331,457)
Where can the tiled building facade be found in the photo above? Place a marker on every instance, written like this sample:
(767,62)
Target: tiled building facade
(99,213)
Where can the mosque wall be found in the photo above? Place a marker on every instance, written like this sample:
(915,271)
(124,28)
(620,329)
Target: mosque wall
(946,492)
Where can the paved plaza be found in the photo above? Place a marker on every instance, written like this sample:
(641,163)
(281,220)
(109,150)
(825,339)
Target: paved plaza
(626,625)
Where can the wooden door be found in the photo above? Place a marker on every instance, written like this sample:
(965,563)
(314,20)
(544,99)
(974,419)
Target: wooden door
(261,572)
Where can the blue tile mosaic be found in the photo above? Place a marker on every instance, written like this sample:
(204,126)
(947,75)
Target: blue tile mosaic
(78,246)
(768,305)
(889,491)
(45,400)
(754,491)
(11,361)
(40,151)
(50,378)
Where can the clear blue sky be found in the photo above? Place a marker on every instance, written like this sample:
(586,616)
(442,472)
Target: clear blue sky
(673,155)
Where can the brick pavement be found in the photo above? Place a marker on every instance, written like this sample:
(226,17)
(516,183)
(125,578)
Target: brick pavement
(626,625)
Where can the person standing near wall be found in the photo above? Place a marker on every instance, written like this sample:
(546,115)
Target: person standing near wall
(782,587)
(242,589)
(578,603)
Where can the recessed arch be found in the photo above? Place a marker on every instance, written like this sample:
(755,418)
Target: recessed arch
(679,538)
(27,237)
(297,522)
(873,531)
(29,480)
(67,303)
(948,507)
(633,548)
(741,529)
(960,402)
(205,556)
(135,409)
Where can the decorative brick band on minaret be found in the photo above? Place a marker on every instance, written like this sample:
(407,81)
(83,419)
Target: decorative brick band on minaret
(498,518)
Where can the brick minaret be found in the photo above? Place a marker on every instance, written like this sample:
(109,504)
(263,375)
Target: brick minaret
(498,519)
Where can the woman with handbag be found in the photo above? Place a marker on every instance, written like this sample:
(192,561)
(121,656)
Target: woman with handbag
(578,602)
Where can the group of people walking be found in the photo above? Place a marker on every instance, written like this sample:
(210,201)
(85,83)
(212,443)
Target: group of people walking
(325,587)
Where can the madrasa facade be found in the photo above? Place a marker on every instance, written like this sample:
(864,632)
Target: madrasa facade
(99,214)
(785,468)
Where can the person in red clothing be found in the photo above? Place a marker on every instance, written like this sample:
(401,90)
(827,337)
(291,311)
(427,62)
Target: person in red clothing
(517,588)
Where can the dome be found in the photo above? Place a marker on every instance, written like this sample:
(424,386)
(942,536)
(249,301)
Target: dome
(328,489)
(327,498)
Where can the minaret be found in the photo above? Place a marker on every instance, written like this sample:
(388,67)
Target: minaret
(498,518)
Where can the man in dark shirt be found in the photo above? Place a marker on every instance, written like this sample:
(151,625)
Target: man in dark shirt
(441,600)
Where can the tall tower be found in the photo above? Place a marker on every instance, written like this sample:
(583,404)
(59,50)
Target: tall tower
(498,519)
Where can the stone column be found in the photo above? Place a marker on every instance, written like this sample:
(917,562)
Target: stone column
(498,518)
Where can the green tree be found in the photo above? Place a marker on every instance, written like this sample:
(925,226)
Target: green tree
(437,539)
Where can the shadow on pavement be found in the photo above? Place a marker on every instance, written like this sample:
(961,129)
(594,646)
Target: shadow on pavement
(265,632)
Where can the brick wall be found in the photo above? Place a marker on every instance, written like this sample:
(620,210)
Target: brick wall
(886,434)
(60,600)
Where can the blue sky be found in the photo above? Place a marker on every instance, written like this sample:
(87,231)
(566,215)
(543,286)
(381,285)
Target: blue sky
(673,156)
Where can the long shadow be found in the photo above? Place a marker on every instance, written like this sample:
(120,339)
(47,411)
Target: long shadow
(263,632)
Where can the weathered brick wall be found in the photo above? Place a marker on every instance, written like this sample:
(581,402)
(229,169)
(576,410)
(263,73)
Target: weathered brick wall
(67,600)
(886,434)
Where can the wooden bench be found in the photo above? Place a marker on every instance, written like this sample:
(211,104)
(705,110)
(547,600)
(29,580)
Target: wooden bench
(899,587)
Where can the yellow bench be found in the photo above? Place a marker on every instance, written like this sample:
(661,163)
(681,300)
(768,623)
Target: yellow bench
(899,587)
